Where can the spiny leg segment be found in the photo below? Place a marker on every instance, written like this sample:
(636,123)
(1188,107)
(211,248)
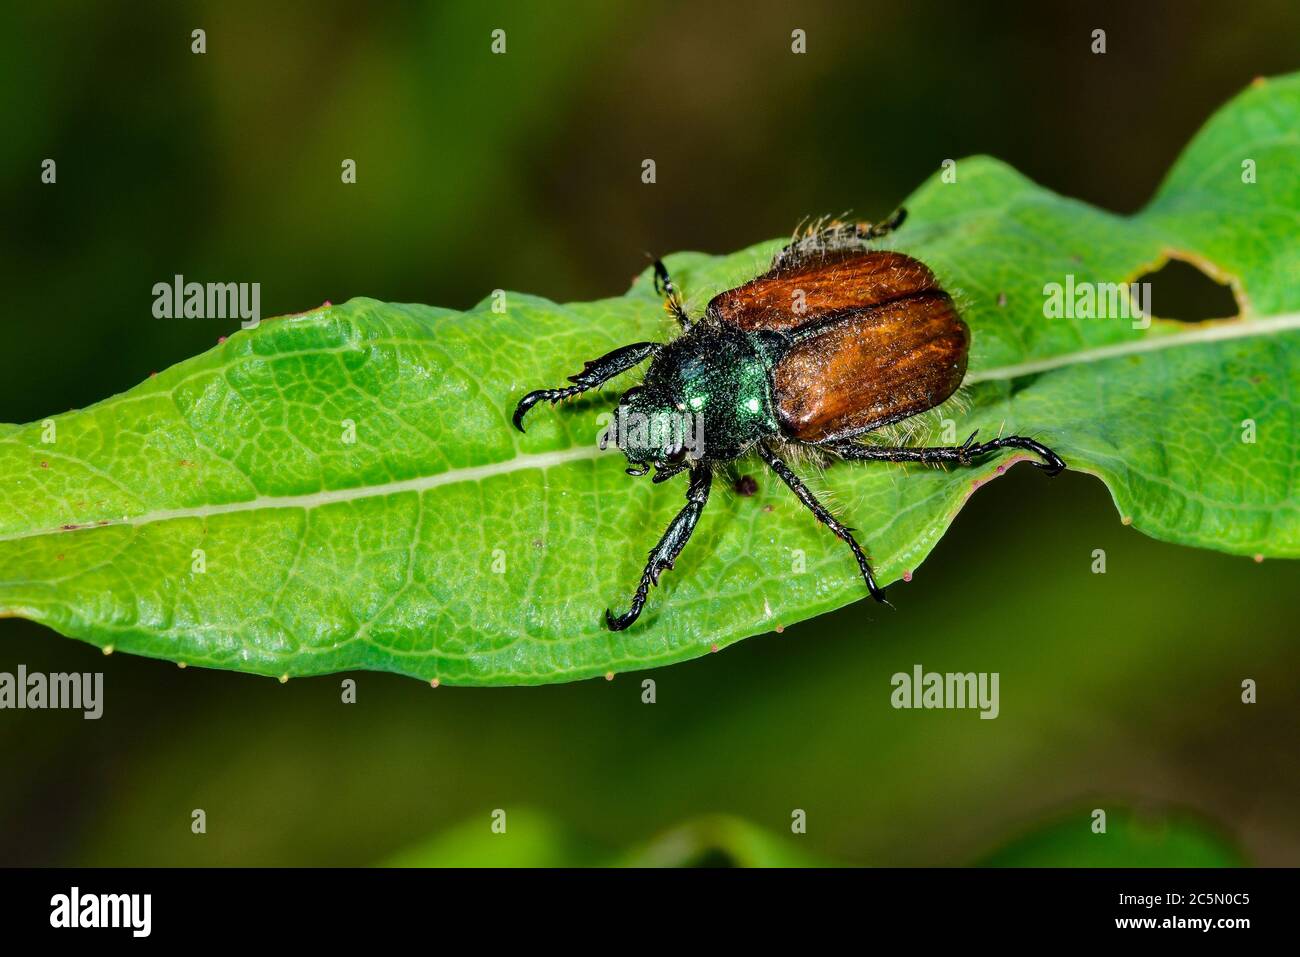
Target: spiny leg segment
(883,228)
(964,454)
(594,373)
(836,235)
(670,546)
(806,496)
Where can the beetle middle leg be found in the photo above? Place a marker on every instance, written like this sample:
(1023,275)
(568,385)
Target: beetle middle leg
(806,496)
(670,546)
(594,373)
(964,454)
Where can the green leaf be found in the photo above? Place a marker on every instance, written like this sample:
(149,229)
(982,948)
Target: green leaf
(532,839)
(1130,840)
(441,544)
(719,840)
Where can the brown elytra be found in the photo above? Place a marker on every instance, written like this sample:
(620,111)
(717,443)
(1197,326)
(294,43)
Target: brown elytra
(878,340)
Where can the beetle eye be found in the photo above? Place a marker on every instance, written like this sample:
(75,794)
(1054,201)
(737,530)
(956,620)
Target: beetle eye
(676,456)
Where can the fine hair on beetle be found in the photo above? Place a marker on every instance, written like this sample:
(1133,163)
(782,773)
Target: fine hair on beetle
(839,350)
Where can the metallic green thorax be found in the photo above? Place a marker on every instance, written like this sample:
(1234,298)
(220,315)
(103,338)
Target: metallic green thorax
(709,391)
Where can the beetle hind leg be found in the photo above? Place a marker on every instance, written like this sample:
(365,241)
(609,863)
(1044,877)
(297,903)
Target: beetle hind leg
(883,228)
(823,236)
(964,454)
(805,495)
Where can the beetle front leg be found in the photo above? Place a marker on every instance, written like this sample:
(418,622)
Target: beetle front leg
(670,546)
(672,298)
(964,454)
(594,373)
(806,496)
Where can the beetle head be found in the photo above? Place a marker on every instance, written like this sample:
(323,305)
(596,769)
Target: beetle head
(653,429)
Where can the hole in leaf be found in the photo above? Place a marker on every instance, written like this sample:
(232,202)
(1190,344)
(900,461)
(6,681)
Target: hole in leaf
(1179,290)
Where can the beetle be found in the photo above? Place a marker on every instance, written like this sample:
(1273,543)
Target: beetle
(836,340)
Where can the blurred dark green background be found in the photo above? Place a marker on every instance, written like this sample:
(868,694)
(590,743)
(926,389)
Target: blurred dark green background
(522,171)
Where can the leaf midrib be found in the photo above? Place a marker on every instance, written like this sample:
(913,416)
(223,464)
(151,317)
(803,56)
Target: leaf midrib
(309,500)
(1205,333)
(1224,330)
